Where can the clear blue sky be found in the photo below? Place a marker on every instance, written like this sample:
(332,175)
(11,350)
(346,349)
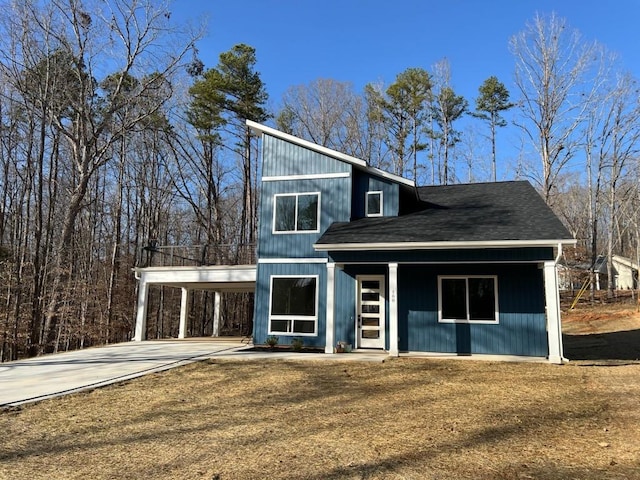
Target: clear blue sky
(360,41)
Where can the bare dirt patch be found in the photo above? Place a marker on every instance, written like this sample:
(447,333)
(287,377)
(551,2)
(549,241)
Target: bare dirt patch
(605,331)
(402,419)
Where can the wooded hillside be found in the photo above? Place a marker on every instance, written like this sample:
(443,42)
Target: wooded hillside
(114,137)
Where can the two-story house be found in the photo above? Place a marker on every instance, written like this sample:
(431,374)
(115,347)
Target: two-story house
(350,253)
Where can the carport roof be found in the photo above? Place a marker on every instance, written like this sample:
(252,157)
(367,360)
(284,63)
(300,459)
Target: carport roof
(230,278)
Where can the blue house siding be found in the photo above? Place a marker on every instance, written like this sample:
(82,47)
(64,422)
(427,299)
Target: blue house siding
(522,324)
(363,183)
(335,197)
(261,304)
(281,158)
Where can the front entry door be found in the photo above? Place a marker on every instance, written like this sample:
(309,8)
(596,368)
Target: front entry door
(370,305)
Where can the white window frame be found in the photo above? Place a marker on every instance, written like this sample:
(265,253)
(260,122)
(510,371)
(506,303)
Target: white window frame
(292,318)
(366,203)
(468,320)
(295,230)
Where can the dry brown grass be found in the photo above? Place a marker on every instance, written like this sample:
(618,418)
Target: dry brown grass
(403,419)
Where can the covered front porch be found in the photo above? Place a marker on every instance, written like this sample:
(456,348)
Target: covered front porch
(217,278)
(395,306)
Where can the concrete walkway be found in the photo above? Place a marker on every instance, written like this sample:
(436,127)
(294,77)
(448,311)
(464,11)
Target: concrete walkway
(52,375)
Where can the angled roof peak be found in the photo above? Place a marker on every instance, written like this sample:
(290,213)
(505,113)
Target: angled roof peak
(356,162)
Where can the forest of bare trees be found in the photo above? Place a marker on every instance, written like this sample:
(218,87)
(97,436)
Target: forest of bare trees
(115,140)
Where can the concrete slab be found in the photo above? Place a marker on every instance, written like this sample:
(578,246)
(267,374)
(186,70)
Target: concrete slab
(48,376)
(39,378)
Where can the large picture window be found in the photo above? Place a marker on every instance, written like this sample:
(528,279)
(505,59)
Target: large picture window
(294,305)
(297,212)
(468,299)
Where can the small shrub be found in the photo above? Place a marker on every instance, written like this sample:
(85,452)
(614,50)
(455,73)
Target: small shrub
(272,341)
(296,344)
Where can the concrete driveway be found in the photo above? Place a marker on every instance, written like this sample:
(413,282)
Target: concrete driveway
(48,376)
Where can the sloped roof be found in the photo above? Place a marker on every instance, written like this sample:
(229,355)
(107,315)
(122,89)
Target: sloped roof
(476,215)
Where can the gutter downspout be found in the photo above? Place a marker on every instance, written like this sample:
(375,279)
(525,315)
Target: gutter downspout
(557,259)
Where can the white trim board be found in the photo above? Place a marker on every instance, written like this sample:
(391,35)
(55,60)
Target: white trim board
(293,260)
(311,176)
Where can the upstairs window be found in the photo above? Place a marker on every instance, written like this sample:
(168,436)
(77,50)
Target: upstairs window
(373,204)
(472,299)
(297,212)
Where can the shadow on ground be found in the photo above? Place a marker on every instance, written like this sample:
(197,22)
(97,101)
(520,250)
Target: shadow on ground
(624,345)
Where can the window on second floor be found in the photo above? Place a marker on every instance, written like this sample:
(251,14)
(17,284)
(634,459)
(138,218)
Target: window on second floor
(296,212)
(373,204)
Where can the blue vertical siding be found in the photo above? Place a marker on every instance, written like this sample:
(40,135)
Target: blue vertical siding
(345,306)
(335,198)
(364,182)
(283,158)
(522,324)
(261,304)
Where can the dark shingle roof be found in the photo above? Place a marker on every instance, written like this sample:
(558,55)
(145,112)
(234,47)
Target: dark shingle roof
(478,212)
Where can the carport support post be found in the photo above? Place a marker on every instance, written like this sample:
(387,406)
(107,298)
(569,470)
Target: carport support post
(330,323)
(552,300)
(141,313)
(217,302)
(184,313)
(393,310)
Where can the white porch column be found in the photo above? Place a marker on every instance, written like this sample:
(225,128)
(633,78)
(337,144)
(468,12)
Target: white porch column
(330,334)
(393,310)
(141,313)
(217,302)
(552,300)
(184,313)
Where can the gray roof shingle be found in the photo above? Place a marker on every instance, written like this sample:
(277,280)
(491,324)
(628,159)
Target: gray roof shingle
(478,212)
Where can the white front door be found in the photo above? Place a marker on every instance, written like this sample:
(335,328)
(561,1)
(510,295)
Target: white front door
(370,310)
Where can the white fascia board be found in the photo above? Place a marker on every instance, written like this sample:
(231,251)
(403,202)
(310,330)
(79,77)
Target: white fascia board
(391,176)
(259,128)
(181,275)
(441,245)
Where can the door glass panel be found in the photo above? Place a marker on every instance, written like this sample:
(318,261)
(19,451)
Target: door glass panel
(370,308)
(370,296)
(371,321)
(370,333)
(373,284)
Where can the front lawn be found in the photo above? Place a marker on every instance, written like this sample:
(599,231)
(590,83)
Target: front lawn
(405,418)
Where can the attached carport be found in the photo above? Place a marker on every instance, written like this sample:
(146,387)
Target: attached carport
(217,278)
